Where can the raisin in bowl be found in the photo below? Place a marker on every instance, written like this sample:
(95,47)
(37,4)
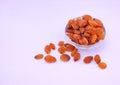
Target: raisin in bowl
(85,31)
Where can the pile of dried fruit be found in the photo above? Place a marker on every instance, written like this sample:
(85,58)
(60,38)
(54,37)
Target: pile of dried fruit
(64,49)
(85,30)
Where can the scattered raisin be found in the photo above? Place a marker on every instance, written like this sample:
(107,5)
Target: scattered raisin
(65,57)
(52,46)
(39,56)
(69,47)
(62,49)
(47,49)
(88,59)
(61,43)
(102,65)
(97,59)
(76,56)
(50,59)
(74,52)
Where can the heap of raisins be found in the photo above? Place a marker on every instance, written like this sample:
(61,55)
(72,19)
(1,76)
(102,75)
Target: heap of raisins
(85,30)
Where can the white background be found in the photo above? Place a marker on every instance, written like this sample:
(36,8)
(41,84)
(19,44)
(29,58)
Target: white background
(26,26)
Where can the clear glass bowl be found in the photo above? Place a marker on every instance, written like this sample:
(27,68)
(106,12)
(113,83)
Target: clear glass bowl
(79,46)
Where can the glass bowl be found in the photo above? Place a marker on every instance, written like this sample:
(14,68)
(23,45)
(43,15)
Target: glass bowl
(80,46)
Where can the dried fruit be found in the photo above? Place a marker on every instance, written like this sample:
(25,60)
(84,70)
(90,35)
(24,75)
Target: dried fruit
(62,49)
(76,32)
(76,56)
(82,30)
(86,17)
(99,23)
(47,49)
(69,29)
(74,52)
(76,36)
(75,24)
(52,46)
(88,59)
(61,43)
(92,23)
(39,56)
(93,39)
(50,59)
(65,57)
(85,30)
(82,23)
(83,41)
(69,47)
(102,65)
(70,21)
(97,59)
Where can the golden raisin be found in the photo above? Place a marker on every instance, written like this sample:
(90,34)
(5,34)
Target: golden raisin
(83,41)
(93,38)
(90,30)
(76,32)
(69,29)
(76,56)
(102,65)
(52,46)
(86,17)
(50,59)
(82,30)
(87,35)
(47,49)
(74,52)
(88,59)
(99,30)
(82,23)
(61,43)
(92,23)
(70,35)
(75,24)
(97,59)
(65,57)
(39,56)
(99,23)
(69,47)
(101,36)
(76,36)
(62,49)
(70,22)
